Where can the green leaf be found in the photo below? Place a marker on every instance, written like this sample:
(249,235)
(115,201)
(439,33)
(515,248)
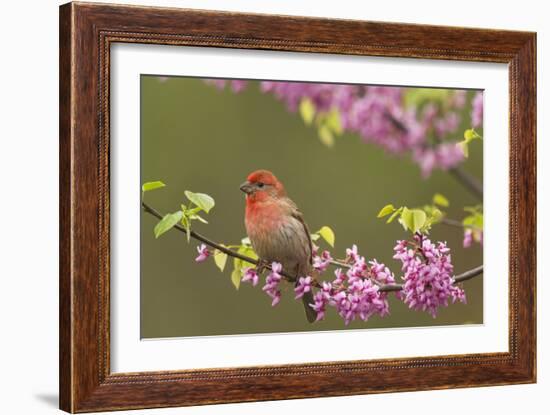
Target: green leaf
(413,219)
(202,200)
(220,258)
(394,215)
(236,276)
(386,210)
(440,200)
(187,225)
(328,235)
(472,209)
(464,147)
(333,122)
(167,223)
(436,215)
(307,110)
(146,187)
(197,217)
(326,136)
(239,265)
(469,135)
(315,236)
(248,251)
(473,221)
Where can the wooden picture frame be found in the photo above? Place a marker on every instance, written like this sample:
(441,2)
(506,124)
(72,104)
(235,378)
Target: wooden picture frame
(86,33)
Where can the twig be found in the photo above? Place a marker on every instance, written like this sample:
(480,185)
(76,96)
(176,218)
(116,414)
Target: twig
(292,278)
(452,222)
(468,181)
(341,264)
(213,244)
(458,224)
(465,276)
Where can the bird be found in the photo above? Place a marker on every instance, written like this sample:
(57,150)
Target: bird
(277,230)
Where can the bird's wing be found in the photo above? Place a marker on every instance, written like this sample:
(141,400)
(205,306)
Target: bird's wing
(298,215)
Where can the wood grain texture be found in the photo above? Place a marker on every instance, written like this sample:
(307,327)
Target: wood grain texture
(86,33)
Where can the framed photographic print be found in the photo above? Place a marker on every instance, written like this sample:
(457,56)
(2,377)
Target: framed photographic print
(260,207)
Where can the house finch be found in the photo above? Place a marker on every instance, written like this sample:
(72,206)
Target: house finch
(277,229)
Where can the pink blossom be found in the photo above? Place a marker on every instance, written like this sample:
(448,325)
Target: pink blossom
(204,253)
(250,275)
(458,99)
(321,299)
(477,110)
(321,262)
(351,254)
(468,238)
(238,86)
(381,273)
(303,286)
(272,281)
(471,235)
(378,114)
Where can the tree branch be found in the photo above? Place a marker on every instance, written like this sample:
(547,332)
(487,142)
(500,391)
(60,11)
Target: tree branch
(292,278)
(458,224)
(452,222)
(213,244)
(468,181)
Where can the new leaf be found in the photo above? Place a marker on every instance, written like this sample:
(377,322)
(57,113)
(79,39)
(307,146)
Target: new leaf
(307,110)
(386,210)
(328,235)
(413,219)
(202,200)
(220,258)
(167,223)
(146,187)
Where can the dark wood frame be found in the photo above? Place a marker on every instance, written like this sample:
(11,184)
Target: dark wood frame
(86,33)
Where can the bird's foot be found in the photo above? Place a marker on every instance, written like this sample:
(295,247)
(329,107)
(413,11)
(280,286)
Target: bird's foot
(262,266)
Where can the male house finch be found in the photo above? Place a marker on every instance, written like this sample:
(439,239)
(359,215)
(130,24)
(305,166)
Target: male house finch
(277,229)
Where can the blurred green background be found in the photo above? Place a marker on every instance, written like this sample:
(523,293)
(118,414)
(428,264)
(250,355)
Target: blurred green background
(196,137)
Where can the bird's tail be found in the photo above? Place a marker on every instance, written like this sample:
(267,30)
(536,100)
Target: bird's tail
(311,314)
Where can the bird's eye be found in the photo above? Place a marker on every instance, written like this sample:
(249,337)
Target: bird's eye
(260,185)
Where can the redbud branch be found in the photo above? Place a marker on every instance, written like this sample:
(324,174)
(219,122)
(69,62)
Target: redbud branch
(452,222)
(291,278)
(457,223)
(463,177)
(215,245)
(468,181)
(339,263)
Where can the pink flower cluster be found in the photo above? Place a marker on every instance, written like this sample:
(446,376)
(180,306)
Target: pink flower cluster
(378,114)
(321,262)
(477,110)
(235,85)
(355,293)
(470,236)
(272,281)
(428,275)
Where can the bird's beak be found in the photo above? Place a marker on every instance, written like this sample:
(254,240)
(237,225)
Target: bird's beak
(247,187)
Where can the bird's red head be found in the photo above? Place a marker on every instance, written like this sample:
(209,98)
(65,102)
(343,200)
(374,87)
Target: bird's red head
(262,185)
